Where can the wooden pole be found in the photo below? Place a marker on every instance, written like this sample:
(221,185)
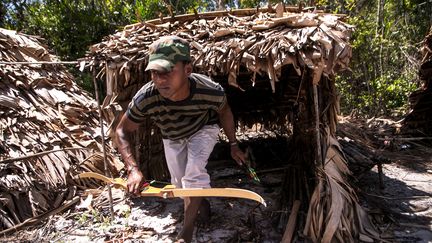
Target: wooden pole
(30,63)
(221,13)
(39,154)
(107,172)
(319,160)
(289,230)
(405,139)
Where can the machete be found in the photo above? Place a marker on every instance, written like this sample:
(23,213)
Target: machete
(170,191)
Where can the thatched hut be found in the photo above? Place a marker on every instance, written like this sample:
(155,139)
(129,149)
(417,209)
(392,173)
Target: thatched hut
(419,120)
(277,67)
(50,131)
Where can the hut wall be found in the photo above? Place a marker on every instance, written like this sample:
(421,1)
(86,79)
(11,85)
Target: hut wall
(50,132)
(419,121)
(256,103)
(252,103)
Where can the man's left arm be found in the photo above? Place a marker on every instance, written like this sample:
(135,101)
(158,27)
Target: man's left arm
(227,121)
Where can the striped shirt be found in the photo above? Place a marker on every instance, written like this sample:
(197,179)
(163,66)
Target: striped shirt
(179,119)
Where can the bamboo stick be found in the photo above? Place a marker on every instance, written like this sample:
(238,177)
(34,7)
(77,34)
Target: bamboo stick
(107,172)
(29,63)
(38,154)
(214,14)
(319,159)
(405,139)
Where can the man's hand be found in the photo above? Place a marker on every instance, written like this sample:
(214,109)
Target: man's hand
(238,155)
(135,180)
(227,121)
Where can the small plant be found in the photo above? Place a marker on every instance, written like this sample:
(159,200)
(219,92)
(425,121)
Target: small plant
(127,213)
(81,218)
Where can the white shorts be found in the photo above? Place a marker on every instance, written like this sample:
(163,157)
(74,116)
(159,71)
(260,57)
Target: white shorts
(187,158)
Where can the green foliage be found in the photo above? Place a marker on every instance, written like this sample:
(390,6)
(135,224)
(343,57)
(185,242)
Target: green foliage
(85,81)
(385,47)
(385,54)
(151,9)
(249,3)
(12,13)
(148,10)
(72,26)
(95,217)
(260,3)
(82,218)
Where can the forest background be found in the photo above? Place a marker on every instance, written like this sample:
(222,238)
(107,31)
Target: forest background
(383,70)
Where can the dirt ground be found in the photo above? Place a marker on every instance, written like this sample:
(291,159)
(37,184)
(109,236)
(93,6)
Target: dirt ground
(159,220)
(400,205)
(398,199)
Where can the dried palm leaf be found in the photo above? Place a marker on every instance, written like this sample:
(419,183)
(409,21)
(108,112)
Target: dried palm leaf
(49,112)
(334,213)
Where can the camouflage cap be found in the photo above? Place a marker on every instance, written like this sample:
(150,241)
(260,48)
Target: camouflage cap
(166,52)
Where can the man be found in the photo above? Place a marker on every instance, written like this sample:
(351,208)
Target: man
(187,107)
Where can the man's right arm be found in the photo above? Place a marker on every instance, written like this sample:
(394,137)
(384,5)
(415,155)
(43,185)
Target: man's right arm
(124,131)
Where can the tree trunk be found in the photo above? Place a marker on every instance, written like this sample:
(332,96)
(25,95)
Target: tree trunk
(220,5)
(380,17)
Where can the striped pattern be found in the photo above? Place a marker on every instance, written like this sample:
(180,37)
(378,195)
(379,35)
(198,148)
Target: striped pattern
(183,118)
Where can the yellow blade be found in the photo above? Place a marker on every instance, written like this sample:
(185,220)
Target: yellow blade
(216,192)
(117,182)
(171,191)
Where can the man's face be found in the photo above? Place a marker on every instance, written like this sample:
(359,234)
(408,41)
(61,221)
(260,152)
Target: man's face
(173,85)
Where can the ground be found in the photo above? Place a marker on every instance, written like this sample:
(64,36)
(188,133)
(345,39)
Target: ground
(400,205)
(403,206)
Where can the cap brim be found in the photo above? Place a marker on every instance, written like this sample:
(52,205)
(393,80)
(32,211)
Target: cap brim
(160,65)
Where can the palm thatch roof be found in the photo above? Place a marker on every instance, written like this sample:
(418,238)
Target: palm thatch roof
(222,42)
(419,121)
(277,66)
(50,131)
